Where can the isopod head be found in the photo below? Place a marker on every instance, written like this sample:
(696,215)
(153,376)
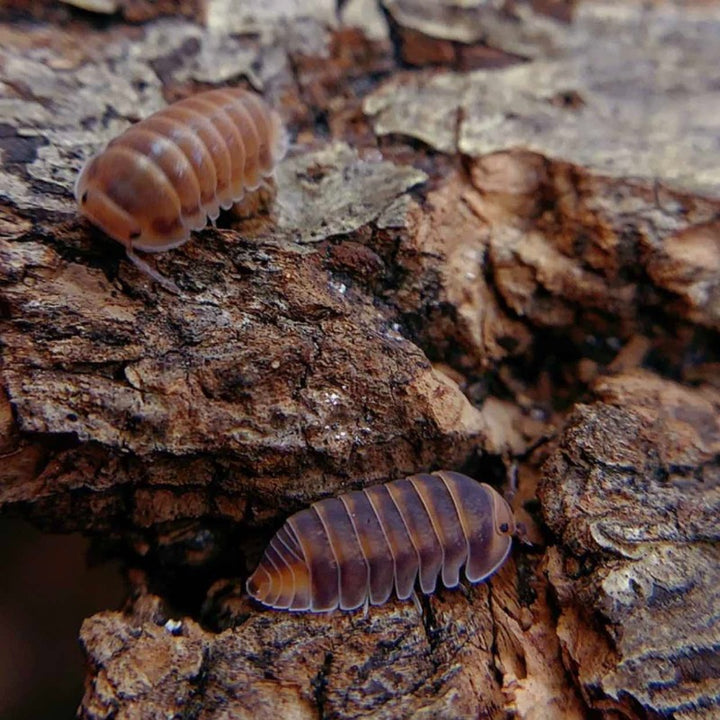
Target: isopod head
(505,525)
(106,193)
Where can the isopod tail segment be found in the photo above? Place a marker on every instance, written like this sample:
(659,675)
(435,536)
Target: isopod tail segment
(356,549)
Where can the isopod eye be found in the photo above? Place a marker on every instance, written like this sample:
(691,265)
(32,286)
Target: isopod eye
(135,235)
(504,528)
(84,197)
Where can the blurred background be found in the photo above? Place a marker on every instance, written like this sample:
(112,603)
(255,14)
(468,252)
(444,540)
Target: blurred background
(46,589)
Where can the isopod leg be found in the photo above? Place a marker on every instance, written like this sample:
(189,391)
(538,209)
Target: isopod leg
(521,534)
(168,284)
(511,482)
(416,602)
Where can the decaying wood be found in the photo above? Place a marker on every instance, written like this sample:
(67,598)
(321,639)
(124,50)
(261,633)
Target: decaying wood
(494,247)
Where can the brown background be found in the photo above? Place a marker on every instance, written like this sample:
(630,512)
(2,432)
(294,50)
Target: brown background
(493,246)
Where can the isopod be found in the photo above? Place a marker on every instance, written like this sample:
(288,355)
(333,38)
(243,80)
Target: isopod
(164,176)
(353,550)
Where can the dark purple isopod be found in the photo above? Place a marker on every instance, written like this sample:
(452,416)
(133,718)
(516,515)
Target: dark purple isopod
(352,550)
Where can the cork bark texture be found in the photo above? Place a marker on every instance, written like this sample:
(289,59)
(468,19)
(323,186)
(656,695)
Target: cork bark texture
(493,246)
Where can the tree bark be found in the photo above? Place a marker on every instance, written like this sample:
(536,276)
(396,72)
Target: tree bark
(494,247)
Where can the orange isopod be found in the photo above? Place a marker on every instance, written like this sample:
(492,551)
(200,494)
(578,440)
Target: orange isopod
(353,550)
(164,176)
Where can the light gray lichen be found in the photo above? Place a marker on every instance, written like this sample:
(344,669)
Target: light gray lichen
(628,93)
(334,191)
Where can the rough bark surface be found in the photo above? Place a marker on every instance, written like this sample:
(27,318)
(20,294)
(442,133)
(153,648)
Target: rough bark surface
(494,246)
(633,494)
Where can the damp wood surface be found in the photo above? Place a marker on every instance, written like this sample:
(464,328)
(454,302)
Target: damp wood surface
(493,247)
